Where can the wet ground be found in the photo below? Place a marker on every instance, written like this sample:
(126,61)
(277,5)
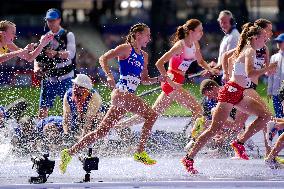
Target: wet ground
(123,172)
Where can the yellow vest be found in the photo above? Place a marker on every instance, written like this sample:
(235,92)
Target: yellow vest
(4,49)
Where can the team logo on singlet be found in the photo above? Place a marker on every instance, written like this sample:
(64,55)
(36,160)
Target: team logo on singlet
(133,61)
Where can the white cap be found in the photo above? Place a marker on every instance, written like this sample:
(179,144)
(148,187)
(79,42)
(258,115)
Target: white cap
(83,81)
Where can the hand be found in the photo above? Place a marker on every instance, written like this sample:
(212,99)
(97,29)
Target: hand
(214,71)
(225,78)
(111,82)
(162,78)
(271,68)
(30,47)
(24,50)
(50,53)
(212,64)
(173,84)
(45,39)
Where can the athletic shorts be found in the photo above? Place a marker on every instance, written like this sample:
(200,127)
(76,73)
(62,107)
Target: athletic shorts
(252,86)
(231,93)
(50,90)
(175,77)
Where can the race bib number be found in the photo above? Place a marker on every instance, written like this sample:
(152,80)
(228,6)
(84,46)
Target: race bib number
(185,65)
(259,63)
(232,89)
(131,82)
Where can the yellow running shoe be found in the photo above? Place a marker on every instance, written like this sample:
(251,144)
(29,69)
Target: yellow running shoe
(65,159)
(279,159)
(198,127)
(143,157)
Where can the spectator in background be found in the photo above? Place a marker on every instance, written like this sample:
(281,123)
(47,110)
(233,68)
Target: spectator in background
(274,81)
(229,41)
(56,63)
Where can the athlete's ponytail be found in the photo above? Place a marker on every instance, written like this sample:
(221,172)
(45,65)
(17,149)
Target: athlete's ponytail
(243,38)
(182,31)
(133,30)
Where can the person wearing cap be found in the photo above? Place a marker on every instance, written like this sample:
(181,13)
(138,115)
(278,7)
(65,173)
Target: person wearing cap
(56,63)
(80,107)
(275,88)
(274,81)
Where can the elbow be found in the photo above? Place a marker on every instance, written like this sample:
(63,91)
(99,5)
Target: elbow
(102,60)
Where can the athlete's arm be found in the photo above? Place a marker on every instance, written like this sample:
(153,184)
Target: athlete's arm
(249,65)
(10,55)
(225,62)
(66,115)
(175,50)
(122,52)
(201,61)
(30,56)
(145,79)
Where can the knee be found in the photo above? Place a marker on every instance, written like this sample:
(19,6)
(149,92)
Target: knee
(103,130)
(151,115)
(264,115)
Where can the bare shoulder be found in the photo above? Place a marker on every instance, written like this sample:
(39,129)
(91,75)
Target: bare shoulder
(124,46)
(145,54)
(250,51)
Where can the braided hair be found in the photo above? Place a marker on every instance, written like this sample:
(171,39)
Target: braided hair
(133,30)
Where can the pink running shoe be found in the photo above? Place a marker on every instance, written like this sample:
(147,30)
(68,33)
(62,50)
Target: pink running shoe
(239,150)
(188,164)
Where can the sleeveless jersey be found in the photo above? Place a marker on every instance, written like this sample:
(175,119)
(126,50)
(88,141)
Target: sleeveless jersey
(130,72)
(183,61)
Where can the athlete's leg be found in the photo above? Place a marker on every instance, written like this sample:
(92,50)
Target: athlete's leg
(184,98)
(220,115)
(252,107)
(161,104)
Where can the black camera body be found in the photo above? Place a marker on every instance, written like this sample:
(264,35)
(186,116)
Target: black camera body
(89,163)
(43,167)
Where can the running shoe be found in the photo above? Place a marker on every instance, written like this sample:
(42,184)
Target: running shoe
(189,145)
(239,150)
(65,159)
(198,127)
(271,132)
(272,163)
(143,157)
(188,164)
(279,159)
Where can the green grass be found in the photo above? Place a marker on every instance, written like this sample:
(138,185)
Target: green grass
(9,94)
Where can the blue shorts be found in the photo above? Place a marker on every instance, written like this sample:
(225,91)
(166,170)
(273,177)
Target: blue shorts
(49,90)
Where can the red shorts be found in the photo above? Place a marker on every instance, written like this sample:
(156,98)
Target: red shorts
(175,77)
(231,93)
